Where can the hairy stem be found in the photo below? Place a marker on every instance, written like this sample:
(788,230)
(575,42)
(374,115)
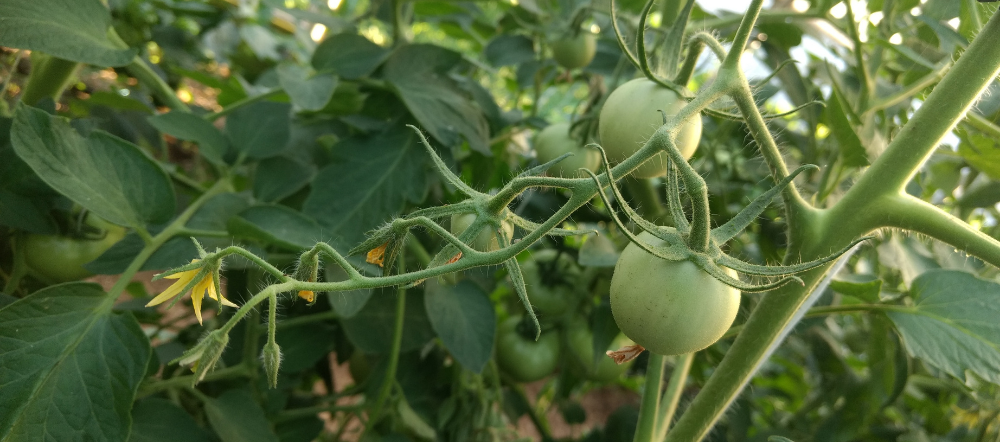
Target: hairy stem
(139,69)
(49,78)
(673,395)
(650,406)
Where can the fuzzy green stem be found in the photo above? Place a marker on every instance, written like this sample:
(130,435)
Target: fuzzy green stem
(139,69)
(397,341)
(246,101)
(673,394)
(649,408)
(185,381)
(909,91)
(732,60)
(49,78)
(695,47)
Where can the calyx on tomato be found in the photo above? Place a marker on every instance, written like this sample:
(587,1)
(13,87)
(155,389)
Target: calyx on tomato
(556,140)
(674,290)
(60,258)
(522,358)
(631,115)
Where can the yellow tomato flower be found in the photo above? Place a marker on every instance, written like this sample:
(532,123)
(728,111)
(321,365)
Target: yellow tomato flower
(206,284)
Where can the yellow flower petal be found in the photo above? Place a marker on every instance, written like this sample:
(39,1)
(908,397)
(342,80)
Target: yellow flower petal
(227,302)
(308,295)
(196,295)
(170,292)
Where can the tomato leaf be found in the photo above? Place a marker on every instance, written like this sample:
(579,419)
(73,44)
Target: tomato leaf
(260,130)
(308,90)
(78,30)
(236,417)
(159,420)
(278,225)
(463,316)
(105,174)
(211,143)
(371,182)
(371,329)
(348,55)
(279,177)
(70,367)
(852,152)
(346,303)
(953,323)
(419,75)
(507,49)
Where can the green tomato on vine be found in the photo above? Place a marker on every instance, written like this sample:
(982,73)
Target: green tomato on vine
(552,282)
(580,341)
(575,51)
(520,356)
(556,140)
(486,241)
(631,115)
(60,258)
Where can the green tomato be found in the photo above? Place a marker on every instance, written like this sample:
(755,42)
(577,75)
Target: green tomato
(486,241)
(523,359)
(575,52)
(581,347)
(669,307)
(629,118)
(61,258)
(551,282)
(554,141)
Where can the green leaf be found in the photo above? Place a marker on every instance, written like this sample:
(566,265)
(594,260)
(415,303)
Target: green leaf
(852,152)
(419,74)
(236,417)
(413,422)
(463,316)
(260,130)
(981,151)
(78,30)
(371,329)
(346,303)
(303,345)
(278,225)
(506,49)
(211,143)
(605,329)
(371,182)
(906,254)
(953,323)
(308,90)
(279,177)
(159,420)
(70,367)
(348,55)
(107,175)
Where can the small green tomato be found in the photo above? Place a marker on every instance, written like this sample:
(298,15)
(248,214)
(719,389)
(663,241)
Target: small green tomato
(669,307)
(486,241)
(61,258)
(522,358)
(581,345)
(575,52)
(554,141)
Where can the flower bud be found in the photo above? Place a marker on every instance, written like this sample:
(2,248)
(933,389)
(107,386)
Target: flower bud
(206,354)
(272,361)
(307,270)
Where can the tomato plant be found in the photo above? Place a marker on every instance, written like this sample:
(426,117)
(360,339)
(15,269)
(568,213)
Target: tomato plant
(520,356)
(339,182)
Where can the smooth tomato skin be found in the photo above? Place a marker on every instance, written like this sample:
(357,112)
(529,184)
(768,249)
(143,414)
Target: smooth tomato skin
(61,258)
(630,117)
(521,358)
(581,347)
(554,141)
(575,52)
(548,295)
(669,307)
(486,241)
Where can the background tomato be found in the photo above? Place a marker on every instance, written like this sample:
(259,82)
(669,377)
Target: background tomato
(61,258)
(486,241)
(580,341)
(669,307)
(523,359)
(630,116)
(551,279)
(575,52)
(556,140)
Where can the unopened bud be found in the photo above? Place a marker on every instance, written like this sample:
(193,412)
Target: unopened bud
(271,357)
(203,357)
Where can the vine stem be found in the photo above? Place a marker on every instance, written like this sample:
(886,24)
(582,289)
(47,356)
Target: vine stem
(141,70)
(49,78)
(649,408)
(673,395)
(397,341)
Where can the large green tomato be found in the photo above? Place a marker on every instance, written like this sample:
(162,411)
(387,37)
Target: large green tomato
(61,258)
(554,141)
(629,118)
(581,346)
(523,359)
(575,52)
(486,241)
(551,282)
(669,307)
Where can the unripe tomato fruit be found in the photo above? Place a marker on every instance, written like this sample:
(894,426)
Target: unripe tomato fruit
(61,258)
(575,52)
(581,345)
(551,281)
(486,241)
(554,141)
(630,117)
(523,359)
(669,307)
